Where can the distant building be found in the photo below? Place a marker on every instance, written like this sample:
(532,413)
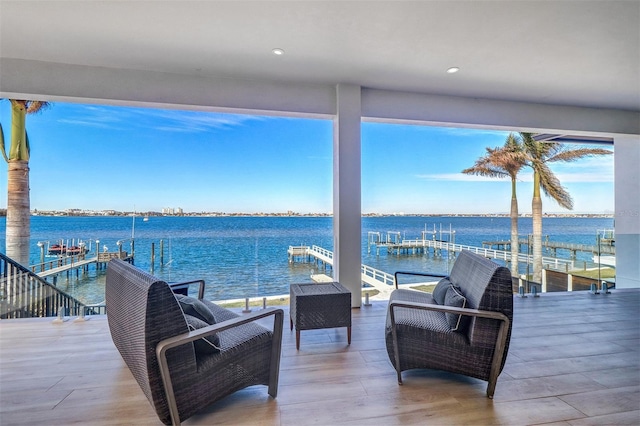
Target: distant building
(170,211)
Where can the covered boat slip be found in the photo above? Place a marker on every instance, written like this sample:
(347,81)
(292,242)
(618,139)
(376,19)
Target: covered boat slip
(574,359)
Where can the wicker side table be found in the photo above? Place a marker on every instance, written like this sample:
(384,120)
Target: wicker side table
(324,305)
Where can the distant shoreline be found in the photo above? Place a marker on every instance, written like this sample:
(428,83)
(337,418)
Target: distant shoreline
(112,213)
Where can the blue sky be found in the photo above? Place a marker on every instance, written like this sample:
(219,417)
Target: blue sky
(104,157)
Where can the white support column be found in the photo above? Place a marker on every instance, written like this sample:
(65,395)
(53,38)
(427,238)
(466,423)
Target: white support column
(347,259)
(627,219)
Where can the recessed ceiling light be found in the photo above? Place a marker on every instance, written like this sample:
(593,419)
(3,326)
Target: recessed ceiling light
(453,70)
(278,51)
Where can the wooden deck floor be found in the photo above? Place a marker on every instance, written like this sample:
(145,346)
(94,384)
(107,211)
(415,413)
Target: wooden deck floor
(574,359)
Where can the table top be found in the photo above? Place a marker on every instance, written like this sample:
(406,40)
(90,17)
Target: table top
(318,288)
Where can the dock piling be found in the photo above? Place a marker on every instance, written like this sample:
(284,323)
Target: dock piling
(153,256)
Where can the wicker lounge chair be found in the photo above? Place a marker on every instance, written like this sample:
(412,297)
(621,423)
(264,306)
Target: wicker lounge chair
(423,332)
(178,371)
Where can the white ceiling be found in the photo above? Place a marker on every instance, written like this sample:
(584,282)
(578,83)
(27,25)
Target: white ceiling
(580,53)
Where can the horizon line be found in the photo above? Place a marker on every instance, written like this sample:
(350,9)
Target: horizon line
(112,212)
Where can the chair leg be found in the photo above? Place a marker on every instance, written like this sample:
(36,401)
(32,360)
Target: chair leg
(396,349)
(491,388)
(498,355)
(276,352)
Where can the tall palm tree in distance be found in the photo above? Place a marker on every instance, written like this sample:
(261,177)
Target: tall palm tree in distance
(539,155)
(506,161)
(18,204)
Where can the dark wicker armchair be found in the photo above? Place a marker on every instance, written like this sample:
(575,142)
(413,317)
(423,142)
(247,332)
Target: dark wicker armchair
(465,329)
(178,377)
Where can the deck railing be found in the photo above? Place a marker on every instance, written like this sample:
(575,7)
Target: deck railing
(58,262)
(24,294)
(548,262)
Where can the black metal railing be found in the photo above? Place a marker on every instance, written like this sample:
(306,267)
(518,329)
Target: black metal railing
(23,294)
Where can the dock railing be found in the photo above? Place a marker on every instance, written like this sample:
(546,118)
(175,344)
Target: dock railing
(105,257)
(384,281)
(380,280)
(58,262)
(548,262)
(322,254)
(375,277)
(23,294)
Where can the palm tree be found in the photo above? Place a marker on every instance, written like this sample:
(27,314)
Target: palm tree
(18,212)
(506,161)
(539,155)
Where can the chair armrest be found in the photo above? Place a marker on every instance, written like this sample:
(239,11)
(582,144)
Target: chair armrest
(187,284)
(451,309)
(501,340)
(182,339)
(421,274)
(191,336)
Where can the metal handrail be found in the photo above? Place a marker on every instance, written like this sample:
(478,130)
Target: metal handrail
(58,262)
(377,275)
(23,294)
(486,252)
(371,276)
(322,251)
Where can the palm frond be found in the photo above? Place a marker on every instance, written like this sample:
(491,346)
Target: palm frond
(510,161)
(570,155)
(505,161)
(4,152)
(36,106)
(512,143)
(485,170)
(552,188)
(539,150)
(27,145)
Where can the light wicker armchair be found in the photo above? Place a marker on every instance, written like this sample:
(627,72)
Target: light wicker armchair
(420,332)
(149,329)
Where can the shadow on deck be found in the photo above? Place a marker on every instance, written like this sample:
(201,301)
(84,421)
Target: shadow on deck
(574,359)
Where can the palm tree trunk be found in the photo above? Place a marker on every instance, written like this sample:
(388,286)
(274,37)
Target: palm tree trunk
(536,210)
(18,211)
(514,230)
(19,149)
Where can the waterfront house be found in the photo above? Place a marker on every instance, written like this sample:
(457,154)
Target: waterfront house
(554,68)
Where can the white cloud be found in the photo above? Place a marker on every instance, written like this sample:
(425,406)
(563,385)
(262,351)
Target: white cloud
(586,177)
(172,120)
(592,169)
(105,124)
(463,131)
(459,177)
(195,121)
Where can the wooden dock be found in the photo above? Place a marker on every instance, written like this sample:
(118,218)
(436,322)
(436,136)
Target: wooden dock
(380,280)
(556,275)
(66,267)
(604,248)
(421,246)
(67,264)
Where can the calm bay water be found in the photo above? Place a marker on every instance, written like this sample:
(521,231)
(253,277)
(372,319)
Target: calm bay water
(247,256)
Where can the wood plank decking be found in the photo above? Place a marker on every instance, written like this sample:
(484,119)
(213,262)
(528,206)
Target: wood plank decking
(574,359)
